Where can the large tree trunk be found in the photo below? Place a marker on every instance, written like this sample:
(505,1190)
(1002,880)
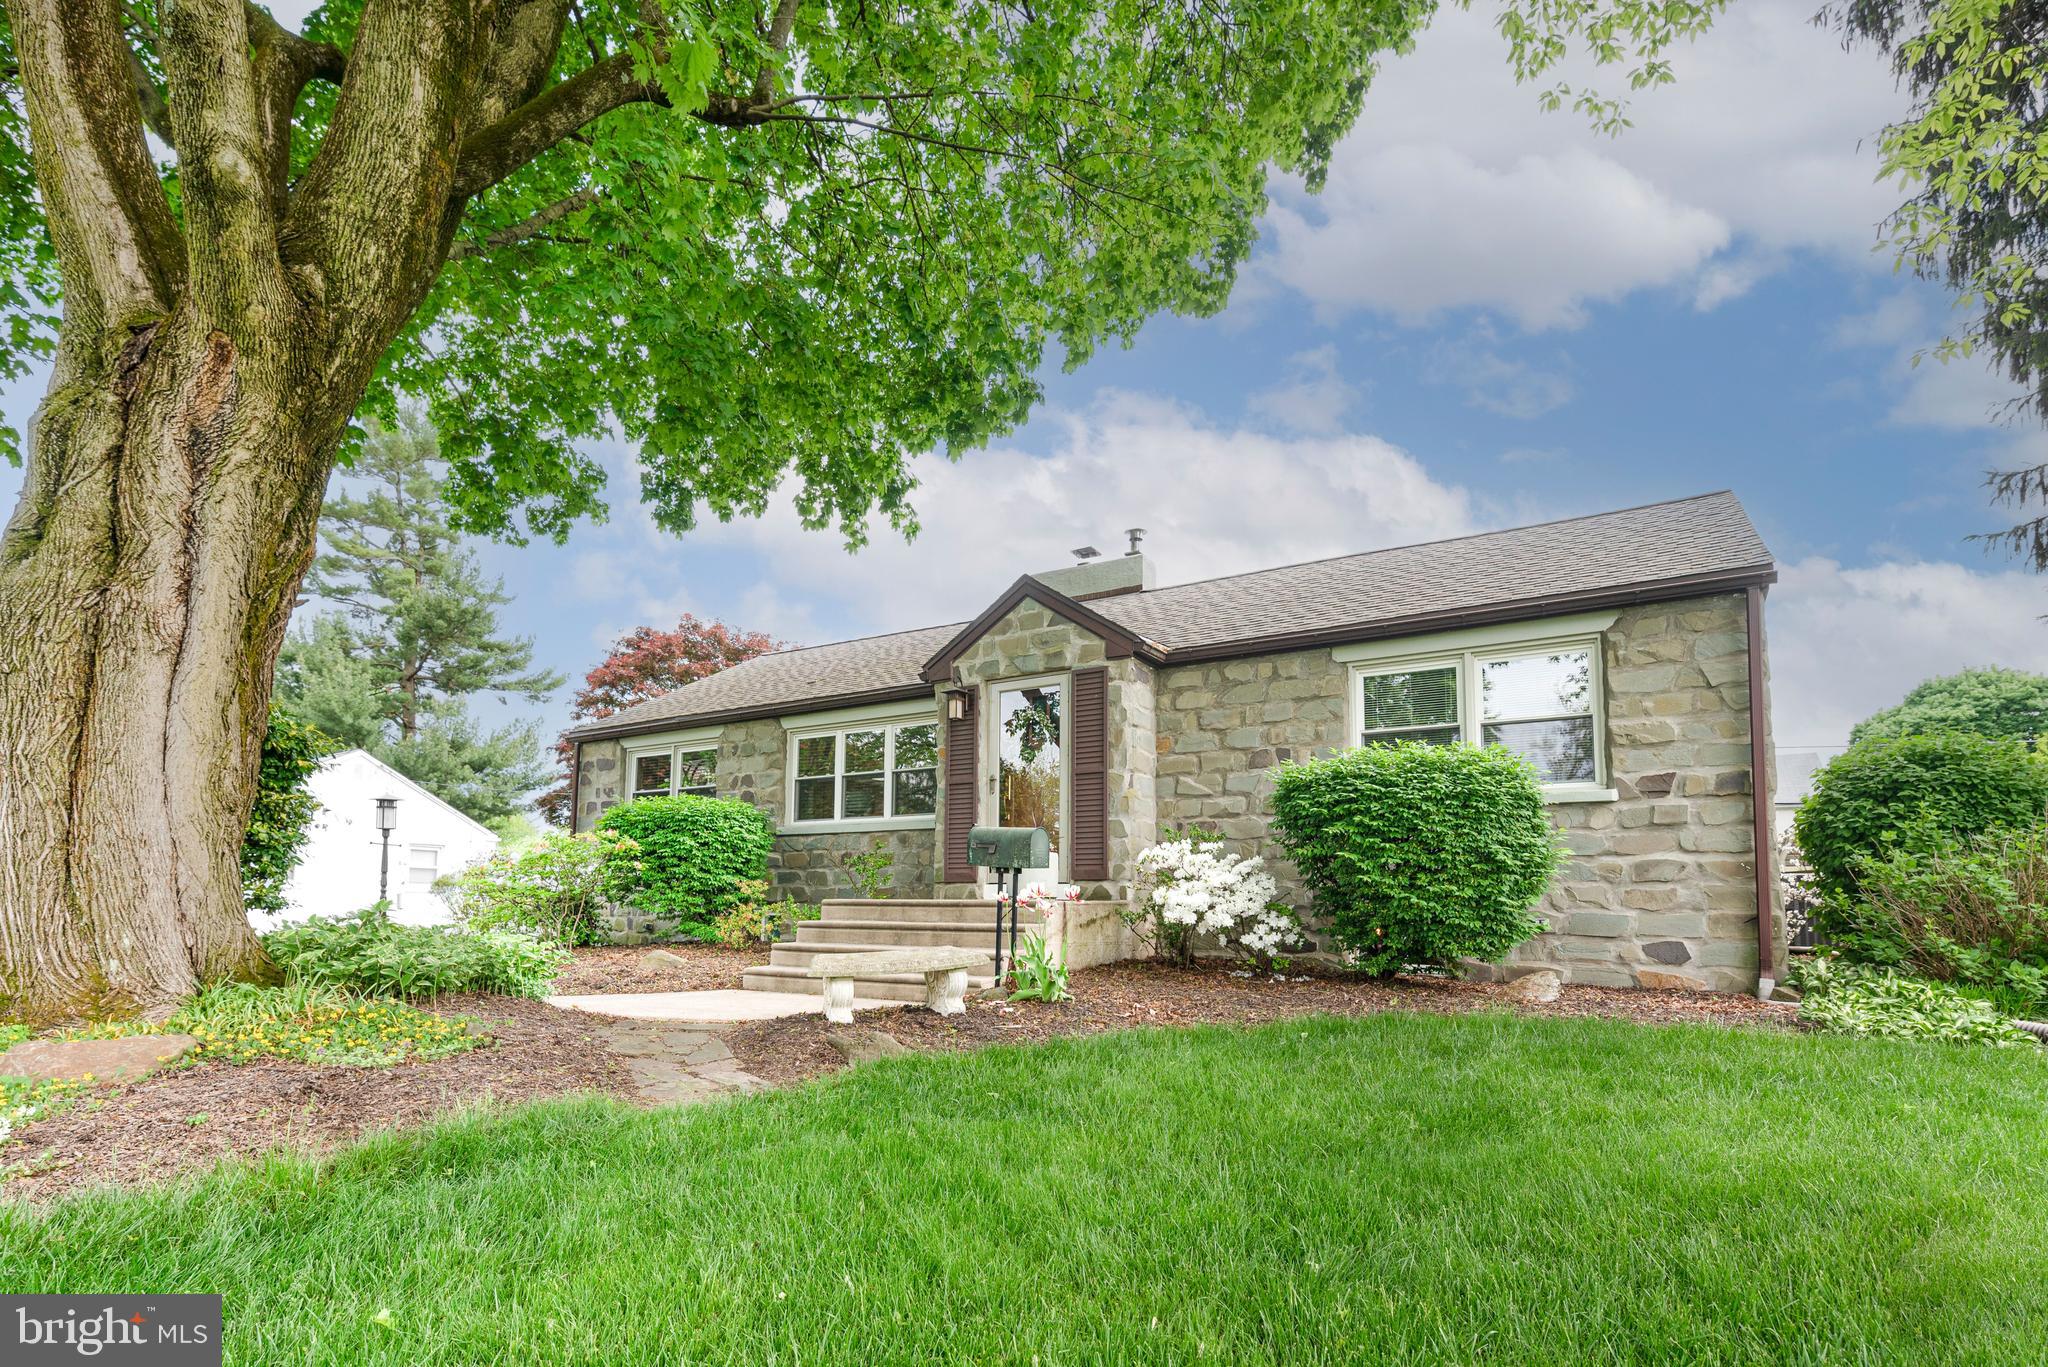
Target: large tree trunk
(145,581)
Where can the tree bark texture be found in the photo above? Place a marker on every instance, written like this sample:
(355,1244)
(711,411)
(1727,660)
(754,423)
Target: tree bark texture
(206,371)
(145,582)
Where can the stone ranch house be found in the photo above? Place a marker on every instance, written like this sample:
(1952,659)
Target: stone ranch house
(1622,653)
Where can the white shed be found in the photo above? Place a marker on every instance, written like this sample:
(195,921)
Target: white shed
(338,874)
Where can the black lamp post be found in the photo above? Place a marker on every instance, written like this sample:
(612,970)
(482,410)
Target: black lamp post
(387,821)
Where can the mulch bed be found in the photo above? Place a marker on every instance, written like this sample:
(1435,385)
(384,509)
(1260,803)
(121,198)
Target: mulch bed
(145,1132)
(1130,995)
(626,968)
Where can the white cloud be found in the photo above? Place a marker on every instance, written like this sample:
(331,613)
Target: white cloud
(1415,230)
(1314,398)
(1969,393)
(1456,191)
(1496,383)
(1891,322)
(1845,642)
(1215,500)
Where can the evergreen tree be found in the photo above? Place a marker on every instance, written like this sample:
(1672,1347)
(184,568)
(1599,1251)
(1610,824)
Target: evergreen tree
(416,635)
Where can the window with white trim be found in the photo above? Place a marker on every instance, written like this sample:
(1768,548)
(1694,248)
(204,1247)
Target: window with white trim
(876,772)
(691,769)
(1539,700)
(422,865)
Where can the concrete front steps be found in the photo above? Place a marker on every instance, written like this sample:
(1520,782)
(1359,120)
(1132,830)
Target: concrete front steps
(854,926)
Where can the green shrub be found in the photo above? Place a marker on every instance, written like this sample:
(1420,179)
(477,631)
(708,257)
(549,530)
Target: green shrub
(1869,796)
(1972,912)
(1420,854)
(1848,999)
(282,820)
(372,954)
(556,886)
(872,869)
(696,853)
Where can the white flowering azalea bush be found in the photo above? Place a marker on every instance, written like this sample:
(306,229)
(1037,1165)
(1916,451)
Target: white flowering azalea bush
(1190,886)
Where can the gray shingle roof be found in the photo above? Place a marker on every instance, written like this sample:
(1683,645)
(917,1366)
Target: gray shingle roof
(813,677)
(1582,556)
(1546,567)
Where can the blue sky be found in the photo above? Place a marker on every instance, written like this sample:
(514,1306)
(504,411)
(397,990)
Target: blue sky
(1492,316)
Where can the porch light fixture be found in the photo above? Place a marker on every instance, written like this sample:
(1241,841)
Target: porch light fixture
(387,821)
(956,706)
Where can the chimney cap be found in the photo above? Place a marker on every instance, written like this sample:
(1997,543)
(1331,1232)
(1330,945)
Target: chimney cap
(1084,552)
(1136,534)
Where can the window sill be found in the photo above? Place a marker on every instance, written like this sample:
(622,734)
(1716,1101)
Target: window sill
(1559,794)
(857,825)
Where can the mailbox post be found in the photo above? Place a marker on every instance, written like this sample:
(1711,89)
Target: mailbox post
(1008,850)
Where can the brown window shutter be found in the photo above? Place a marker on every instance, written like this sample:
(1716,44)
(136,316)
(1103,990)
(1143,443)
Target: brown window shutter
(1088,771)
(962,792)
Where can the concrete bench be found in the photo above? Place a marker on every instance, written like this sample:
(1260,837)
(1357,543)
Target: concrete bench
(945,976)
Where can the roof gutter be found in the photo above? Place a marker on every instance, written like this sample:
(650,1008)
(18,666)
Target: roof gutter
(1760,805)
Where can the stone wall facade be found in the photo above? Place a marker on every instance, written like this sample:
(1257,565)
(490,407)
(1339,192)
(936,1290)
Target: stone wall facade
(1032,640)
(600,782)
(1659,889)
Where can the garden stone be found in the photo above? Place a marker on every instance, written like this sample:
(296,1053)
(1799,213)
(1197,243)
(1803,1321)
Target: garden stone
(666,959)
(1544,985)
(1668,982)
(864,1046)
(103,1060)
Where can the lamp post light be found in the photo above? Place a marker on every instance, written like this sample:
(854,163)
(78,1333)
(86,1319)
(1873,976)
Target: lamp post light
(387,821)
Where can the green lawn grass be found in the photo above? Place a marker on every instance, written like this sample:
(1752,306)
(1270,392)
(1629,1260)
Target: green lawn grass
(1398,1188)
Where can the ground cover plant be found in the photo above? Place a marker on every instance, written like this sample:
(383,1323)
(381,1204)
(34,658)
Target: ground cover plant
(371,954)
(1419,854)
(1398,1189)
(1853,999)
(316,1023)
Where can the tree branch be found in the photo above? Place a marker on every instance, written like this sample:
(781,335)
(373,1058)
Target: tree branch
(528,227)
(285,64)
(779,30)
(156,111)
(495,152)
(371,217)
(116,242)
(216,122)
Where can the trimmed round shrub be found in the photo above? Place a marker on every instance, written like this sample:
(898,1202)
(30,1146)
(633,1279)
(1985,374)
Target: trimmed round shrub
(1420,854)
(1866,798)
(697,854)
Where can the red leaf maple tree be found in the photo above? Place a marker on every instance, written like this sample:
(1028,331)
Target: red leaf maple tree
(642,665)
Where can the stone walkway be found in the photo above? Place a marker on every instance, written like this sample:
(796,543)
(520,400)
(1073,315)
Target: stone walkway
(674,1064)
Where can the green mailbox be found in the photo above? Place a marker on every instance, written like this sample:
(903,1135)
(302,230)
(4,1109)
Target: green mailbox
(1009,847)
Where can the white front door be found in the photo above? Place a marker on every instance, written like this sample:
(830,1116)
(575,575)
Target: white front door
(1027,772)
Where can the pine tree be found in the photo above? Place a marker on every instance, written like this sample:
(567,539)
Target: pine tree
(415,635)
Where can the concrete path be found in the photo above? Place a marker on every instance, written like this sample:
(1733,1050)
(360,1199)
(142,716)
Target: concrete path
(703,1008)
(670,1041)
